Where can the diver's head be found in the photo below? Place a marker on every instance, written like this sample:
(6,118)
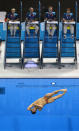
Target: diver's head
(33,111)
(13,10)
(31,9)
(68,10)
(50,8)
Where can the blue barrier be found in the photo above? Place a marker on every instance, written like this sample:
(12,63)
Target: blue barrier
(31,46)
(50,46)
(50,49)
(68,46)
(61,115)
(13,46)
(3,31)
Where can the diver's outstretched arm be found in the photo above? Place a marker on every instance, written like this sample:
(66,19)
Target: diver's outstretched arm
(29,108)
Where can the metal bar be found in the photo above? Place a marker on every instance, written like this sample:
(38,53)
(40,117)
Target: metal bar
(76,16)
(21,10)
(59,19)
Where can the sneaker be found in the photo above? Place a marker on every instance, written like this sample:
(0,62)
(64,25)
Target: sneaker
(72,36)
(64,36)
(50,36)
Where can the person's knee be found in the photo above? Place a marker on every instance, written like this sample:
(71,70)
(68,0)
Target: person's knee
(48,27)
(27,27)
(65,28)
(11,27)
(15,27)
(72,29)
(54,27)
(37,28)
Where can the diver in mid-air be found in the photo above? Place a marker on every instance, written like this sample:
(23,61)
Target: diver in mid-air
(41,102)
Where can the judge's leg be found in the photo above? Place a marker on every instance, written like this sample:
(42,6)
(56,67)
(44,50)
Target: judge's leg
(48,29)
(53,30)
(28,29)
(11,29)
(72,30)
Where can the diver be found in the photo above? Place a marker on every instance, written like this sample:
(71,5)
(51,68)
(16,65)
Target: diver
(41,102)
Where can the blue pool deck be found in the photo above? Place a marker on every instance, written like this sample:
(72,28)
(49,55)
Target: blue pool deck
(18,94)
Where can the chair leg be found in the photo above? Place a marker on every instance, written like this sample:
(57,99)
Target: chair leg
(4,63)
(23,63)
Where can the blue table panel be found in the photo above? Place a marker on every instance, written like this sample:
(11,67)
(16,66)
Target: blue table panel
(42,30)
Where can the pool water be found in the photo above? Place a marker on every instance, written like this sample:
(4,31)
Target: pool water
(18,94)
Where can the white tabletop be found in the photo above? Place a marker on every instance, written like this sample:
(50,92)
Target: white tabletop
(2,21)
(70,23)
(52,22)
(14,22)
(35,22)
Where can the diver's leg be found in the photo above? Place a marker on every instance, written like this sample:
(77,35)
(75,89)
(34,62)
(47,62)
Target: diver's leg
(49,95)
(52,99)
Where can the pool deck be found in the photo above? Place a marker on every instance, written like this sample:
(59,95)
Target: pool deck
(49,71)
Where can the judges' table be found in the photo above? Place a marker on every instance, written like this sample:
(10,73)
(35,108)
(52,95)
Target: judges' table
(34,23)
(52,22)
(42,29)
(69,23)
(16,22)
